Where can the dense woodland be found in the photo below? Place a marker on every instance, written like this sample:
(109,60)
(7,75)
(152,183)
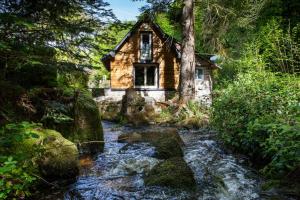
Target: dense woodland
(50,54)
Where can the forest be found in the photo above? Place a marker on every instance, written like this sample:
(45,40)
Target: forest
(50,58)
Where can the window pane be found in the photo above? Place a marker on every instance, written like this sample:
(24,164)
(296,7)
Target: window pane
(151,76)
(139,76)
(146,39)
(145,47)
(199,73)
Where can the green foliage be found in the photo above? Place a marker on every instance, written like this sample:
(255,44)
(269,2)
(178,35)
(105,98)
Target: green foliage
(14,182)
(72,78)
(15,133)
(279,49)
(30,76)
(194,114)
(258,114)
(44,35)
(16,166)
(272,49)
(170,28)
(57,113)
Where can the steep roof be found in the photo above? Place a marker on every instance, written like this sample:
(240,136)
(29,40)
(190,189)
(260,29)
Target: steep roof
(174,44)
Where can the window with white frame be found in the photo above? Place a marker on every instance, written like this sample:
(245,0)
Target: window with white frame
(145,48)
(145,76)
(199,73)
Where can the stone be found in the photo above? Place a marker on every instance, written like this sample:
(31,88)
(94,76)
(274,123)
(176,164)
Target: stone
(138,110)
(88,128)
(173,172)
(59,156)
(109,110)
(166,141)
(74,114)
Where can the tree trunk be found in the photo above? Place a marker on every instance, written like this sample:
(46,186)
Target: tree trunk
(187,70)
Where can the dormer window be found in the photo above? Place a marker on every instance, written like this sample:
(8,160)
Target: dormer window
(146,47)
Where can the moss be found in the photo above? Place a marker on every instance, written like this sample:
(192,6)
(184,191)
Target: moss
(87,124)
(194,122)
(167,148)
(73,113)
(173,172)
(110,110)
(166,141)
(55,156)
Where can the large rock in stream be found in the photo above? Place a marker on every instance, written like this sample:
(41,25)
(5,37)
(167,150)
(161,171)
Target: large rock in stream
(88,129)
(74,114)
(58,157)
(133,108)
(166,141)
(173,170)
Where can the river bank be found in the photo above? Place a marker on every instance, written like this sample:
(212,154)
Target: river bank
(118,172)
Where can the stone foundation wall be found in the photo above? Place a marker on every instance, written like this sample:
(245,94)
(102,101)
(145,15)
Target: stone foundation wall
(202,94)
(117,95)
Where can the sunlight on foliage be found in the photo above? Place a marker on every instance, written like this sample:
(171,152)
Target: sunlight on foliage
(258,114)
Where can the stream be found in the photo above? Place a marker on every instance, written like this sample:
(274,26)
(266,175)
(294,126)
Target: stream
(117,173)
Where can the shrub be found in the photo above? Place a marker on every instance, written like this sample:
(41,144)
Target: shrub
(14,181)
(16,165)
(258,114)
(193,114)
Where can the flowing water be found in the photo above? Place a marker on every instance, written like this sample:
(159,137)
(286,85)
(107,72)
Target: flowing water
(117,173)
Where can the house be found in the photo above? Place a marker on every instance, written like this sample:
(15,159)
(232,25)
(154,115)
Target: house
(148,60)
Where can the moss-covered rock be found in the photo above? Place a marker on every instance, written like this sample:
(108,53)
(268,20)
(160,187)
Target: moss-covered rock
(136,109)
(55,156)
(166,141)
(71,112)
(167,148)
(194,122)
(88,128)
(109,110)
(173,172)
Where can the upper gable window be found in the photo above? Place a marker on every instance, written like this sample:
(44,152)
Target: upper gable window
(146,47)
(199,73)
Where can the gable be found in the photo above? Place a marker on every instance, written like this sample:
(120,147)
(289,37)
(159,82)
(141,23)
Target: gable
(131,40)
(130,44)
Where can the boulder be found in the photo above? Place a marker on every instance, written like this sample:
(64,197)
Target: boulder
(136,109)
(166,141)
(55,156)
(173,172)
(88,128)
(72,113)
(167,148)
(109,109)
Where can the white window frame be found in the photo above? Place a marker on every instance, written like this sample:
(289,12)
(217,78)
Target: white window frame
(196,74)
(141,44)
(145,66)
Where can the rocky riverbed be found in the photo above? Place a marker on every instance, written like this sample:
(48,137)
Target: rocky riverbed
(131,168)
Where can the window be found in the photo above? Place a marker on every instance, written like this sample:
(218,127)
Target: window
(199,73)
(146,43)
(145,76)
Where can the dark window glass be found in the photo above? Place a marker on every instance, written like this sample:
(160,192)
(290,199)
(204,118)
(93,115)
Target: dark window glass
(146,39)
(139,76)
(145,47)
(199,74)
(151,76)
